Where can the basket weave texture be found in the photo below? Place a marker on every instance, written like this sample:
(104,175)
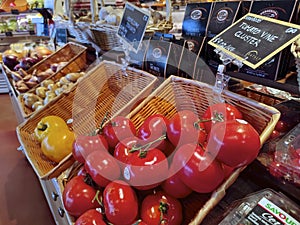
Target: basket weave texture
(105,89)
(71,52)
(176,94)
(77,64)
(105,36)
(20,5)
(68,53)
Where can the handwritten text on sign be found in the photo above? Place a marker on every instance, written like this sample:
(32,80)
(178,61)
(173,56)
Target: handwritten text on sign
(133,25)
(254,39)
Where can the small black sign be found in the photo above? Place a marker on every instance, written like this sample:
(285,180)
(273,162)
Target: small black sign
(280,9)
(32,32)
(222,16)
(254,39)
(15,11)
(133,25)
(61,35)
(196,18)
(157,57)
(8,34)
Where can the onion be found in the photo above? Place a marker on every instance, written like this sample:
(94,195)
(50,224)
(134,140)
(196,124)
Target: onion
(40,52)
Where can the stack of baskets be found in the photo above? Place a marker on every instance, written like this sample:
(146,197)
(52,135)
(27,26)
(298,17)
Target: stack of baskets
(105,36)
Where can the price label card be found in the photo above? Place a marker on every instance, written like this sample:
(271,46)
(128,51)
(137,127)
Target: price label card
(133,25)
(196,18)
(8,34)
(61,35)
(254,39)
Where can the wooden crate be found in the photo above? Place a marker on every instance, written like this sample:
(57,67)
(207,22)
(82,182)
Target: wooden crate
(104,89)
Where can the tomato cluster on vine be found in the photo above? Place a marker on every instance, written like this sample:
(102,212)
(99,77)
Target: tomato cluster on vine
(140,173)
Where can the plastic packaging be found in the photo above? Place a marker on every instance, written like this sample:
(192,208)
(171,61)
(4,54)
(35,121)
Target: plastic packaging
(265,207)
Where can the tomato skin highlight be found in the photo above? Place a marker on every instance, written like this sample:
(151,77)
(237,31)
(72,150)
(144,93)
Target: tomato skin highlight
(78,196)
(153,128)
(102,167)
(198,169)
(120,203)
(184,127)
(160,208)
(235,143)
(90,217)
(146,172)
(220,111)
(122,150)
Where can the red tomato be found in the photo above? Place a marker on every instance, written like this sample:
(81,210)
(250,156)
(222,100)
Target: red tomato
(277,170)
(102,167)
(197,169)
(160,208)
(122,149)
(146,169)
(220,112)
(154,127)
(120,203)
(90,217)
(78,196)
(184,127)
(235,143)
(84,145)
(227,170)
(118,129)
(275,134)
(174,186)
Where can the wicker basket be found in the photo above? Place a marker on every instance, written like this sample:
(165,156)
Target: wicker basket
(104,89)
(20,5)
(79,64)
(68,53)
(71,53)
(106,37)
(176,94)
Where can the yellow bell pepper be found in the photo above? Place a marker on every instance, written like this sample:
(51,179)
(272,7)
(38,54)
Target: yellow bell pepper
(48,124)
(58,144)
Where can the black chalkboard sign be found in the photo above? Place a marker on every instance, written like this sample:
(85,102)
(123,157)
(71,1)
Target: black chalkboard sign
(196,17)
(254,39)
(61,35)
(133,25)
(8,34)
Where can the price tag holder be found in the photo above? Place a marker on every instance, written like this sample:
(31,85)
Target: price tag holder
(15,12)
(254,39)
(132,26)
(61,35)
(8,34)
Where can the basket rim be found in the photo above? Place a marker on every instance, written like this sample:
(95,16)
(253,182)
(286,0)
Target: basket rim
(173,78)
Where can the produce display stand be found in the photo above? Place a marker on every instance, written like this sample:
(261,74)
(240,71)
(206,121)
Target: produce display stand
(102,90)
(172,95)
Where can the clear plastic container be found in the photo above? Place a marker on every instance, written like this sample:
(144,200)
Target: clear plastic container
(265,207)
